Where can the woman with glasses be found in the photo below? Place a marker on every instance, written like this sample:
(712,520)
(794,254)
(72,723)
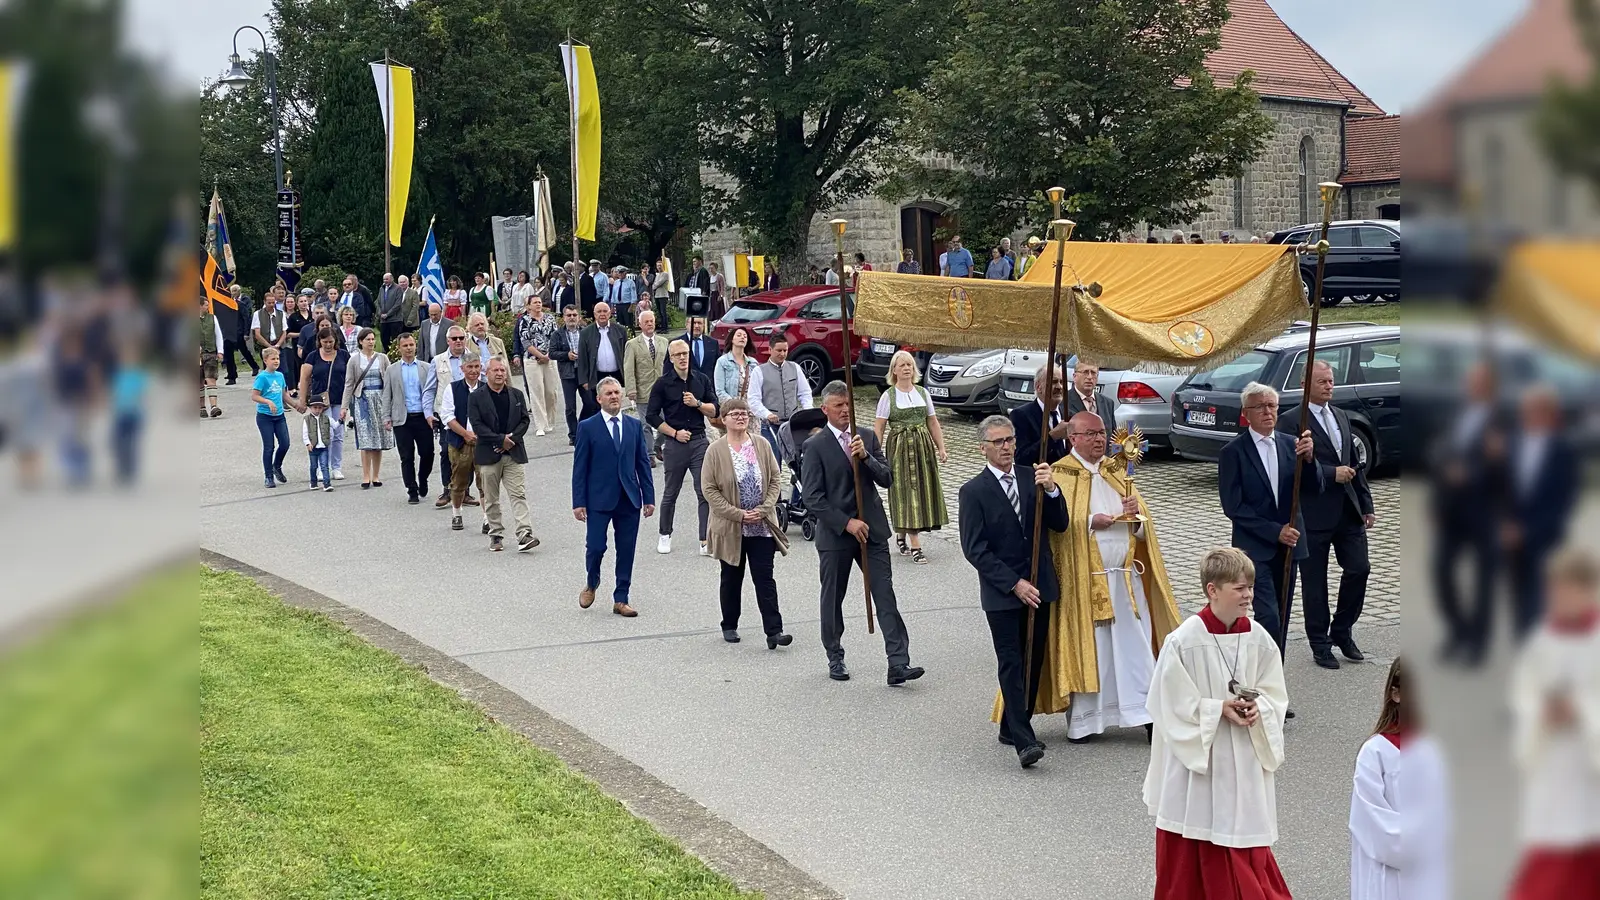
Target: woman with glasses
(915,448)
(741,483)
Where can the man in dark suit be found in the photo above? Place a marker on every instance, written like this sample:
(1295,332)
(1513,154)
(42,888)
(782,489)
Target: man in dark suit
(1545,480)
(997,510)
(599,358)
(499,417)
(829,489)
(1085,394)
(1337,508)
(611,485)
(391,311)
(564,350)
(703,350)
(1255,478)
(1027,422)
(356,296)
(590,283)
(433,333)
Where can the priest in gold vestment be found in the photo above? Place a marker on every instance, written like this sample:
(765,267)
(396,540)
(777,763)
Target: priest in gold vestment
(1116,605)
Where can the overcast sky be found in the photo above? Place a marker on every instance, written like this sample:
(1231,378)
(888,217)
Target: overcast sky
(1395,50)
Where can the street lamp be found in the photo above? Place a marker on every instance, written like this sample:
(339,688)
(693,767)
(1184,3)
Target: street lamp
(238,77)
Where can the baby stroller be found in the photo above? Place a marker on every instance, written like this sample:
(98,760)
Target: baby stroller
(791,439)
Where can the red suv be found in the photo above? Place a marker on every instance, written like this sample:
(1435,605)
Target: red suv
(809,315)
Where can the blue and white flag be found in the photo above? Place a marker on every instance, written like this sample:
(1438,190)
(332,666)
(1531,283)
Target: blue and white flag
(432,271)
(217,242)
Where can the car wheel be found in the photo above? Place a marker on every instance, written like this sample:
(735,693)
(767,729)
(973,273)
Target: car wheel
(1365,454)
(1331,300)
(1390,298)
(815,366)
(1364,298)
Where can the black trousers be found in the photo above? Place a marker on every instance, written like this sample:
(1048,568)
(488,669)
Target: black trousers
(569,400)
(1009,630)
(1527,588)
(1268,594)
(239,346)
(390,332)
(414,439)
(756,554)
(1348,542)
(835,571)
(1467,624)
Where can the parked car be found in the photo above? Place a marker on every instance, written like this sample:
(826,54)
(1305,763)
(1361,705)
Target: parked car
(968,382)
(1206,411)
(809,314)
(872,364)
(1363,259)
(1142,398)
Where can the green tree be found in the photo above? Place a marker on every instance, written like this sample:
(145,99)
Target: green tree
(1568,122)
(1081,94)
(235,157)
(795,102)
(343,184)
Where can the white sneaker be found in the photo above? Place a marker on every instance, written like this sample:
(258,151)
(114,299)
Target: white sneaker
(338,474)
(703,550)
(665,544)
(539,433)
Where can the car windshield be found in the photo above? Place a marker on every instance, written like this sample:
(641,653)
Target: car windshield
(1233,376)
(745,312)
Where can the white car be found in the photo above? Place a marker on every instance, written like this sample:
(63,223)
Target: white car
(1142,398)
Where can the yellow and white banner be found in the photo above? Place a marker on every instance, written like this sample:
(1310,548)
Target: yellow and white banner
(13,85)
(584,97)
(398,104)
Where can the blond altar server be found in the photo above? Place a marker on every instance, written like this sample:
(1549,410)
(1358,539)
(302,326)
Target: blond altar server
(1556,741)
(1217,703)
(1116,604)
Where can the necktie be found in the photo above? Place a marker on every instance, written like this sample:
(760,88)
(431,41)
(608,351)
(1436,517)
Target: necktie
(1271,446)
(844,442)
(1332,429)
(1011,494)
(652,349)
(697,354)
(616,432)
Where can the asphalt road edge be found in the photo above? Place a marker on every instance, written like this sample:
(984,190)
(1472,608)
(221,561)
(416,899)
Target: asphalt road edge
(750,864)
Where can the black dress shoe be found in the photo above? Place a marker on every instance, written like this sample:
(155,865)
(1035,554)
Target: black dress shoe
(1149,733)
(1288,714)
(1350,650)
(731,636)
(903,674)
(1029,755)
(1324,657)
(774,641)
(1082,740)
(838,672)
(1010,743)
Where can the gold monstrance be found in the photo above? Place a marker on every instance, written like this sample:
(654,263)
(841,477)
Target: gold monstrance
(1129,448)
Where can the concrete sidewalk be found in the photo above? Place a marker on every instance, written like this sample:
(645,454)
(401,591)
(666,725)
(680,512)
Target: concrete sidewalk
(875,791)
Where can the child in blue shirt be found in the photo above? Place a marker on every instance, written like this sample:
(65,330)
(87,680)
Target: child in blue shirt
(267,392)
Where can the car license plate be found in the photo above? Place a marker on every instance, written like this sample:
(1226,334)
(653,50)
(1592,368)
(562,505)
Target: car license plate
(934,391)
(1013,395)
(883,348)
(1196,417)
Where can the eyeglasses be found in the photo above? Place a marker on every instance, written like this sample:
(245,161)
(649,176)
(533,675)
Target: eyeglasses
(458,337)
(1271,406)
(740,414)
(1002,442)
(1100,433)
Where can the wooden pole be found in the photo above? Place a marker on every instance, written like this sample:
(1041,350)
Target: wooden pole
(388,153)
(845,316)
(1330,194)
(1062,230)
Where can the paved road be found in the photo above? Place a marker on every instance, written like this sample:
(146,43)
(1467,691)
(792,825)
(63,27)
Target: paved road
(877,791)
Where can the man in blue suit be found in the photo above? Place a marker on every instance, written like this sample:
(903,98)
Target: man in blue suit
(611,484)
(1255,478)
(703,350)
(1545,480)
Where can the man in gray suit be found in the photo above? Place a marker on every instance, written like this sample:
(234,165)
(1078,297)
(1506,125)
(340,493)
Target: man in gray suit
(1085,396)
(829,490)
(433,336)
(599,359)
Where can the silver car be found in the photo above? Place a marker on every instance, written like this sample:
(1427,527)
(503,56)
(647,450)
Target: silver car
(969,382)
(1142,398)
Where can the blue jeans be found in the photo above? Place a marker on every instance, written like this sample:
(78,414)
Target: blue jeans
(272,428)
(125,430)
(319,460)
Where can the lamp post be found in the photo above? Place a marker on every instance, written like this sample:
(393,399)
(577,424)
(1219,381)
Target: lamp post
(238,77)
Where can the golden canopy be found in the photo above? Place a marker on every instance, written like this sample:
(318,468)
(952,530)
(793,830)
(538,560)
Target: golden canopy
(1549,288)
(1174,307)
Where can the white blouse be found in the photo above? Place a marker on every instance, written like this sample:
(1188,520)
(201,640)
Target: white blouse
(903,400)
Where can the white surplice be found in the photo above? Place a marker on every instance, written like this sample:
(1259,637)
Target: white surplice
(1400,822)
(1122,647)
(1209,779)
(1560,767)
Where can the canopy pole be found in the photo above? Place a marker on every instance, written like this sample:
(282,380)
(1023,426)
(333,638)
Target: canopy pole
(388,153)
(850,392)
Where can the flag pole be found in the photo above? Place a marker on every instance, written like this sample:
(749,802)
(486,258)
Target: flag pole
(1330,195)
(1063,231)
(850,392)
(388,153)
(572,120)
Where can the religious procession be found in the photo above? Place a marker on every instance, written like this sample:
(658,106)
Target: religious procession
(1135,496)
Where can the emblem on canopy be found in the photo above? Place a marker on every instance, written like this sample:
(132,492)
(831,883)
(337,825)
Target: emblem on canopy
(960,308)
(1191,338)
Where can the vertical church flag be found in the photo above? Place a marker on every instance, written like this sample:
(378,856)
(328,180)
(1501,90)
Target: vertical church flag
(13,85)
(431,270)
(584,98)
(396,101)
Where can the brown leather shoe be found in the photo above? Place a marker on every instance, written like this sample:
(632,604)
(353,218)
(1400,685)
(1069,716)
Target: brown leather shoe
(624,610)
(469,501)
(586,598)
(442,502)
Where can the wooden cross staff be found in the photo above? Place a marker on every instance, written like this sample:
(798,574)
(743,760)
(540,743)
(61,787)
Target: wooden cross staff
(845,315)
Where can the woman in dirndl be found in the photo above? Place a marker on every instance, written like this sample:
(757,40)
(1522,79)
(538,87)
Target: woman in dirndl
(363,398)
(915,448)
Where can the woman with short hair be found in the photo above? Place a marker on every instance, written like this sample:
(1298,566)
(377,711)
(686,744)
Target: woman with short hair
(741,483)
(349,332)
(363,392)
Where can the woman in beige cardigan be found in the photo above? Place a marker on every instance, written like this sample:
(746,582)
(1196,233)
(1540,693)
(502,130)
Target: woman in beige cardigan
(741,482)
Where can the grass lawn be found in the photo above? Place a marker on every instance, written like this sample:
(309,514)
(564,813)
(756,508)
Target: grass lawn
(331,769)
(1376,312)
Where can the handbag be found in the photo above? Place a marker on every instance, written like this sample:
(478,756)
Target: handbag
(361,390)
